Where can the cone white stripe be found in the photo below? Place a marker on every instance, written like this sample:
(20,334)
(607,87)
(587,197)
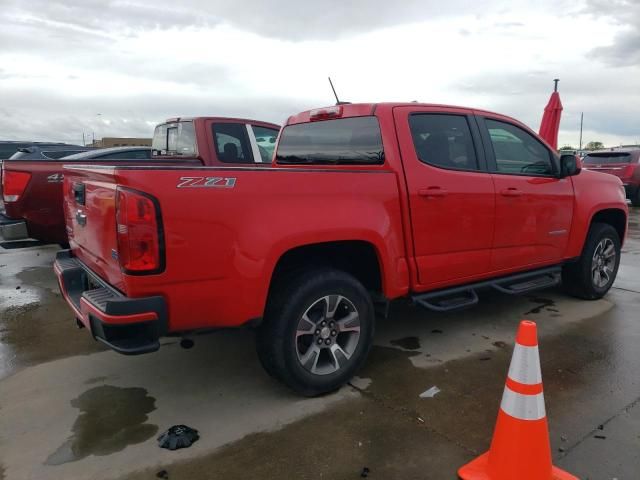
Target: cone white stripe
(523,407)
(525,365)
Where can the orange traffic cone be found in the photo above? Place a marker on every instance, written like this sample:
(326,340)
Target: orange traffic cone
(520,448)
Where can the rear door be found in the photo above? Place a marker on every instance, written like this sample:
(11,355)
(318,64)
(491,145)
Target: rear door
(451,195)
(534,207)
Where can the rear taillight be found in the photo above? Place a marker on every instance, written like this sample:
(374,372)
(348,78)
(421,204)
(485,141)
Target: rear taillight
(628,171)
(13,184)
(138,232)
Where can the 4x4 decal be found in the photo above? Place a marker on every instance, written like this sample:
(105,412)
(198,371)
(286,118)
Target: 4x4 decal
(204,182)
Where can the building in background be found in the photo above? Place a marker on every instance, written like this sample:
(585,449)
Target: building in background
(107,142)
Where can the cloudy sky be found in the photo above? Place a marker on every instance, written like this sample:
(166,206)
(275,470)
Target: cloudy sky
(117,67)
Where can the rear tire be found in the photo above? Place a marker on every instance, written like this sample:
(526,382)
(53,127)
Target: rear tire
(591,277)
(317,331)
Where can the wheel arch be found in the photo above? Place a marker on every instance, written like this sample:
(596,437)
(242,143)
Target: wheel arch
(615,217)
(359,258)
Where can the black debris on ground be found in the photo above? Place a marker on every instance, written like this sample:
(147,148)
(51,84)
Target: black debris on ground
(365,472)
(163,474)
(178,436)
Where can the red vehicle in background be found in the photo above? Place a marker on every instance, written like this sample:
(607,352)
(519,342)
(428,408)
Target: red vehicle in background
(32,189)
(624,163)
(366,203)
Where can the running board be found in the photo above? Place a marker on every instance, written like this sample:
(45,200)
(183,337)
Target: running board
(457,298)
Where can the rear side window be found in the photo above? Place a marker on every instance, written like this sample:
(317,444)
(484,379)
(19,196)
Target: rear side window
(56,154)
(177,138)
(345,141)
(134,155)
(232,143)
(605,158)
(443,141)
(518,152)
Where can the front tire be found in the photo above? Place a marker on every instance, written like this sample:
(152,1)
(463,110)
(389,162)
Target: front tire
(317,331)
(592,276)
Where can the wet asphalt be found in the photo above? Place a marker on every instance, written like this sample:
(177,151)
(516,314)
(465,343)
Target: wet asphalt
(70,409)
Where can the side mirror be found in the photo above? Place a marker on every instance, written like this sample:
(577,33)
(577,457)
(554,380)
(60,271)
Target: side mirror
(569,165)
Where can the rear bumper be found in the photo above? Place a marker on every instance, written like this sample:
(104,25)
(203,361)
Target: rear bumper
(130,326)
(11,229)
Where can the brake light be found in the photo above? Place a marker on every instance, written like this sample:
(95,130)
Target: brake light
(14,184)
(325,113)
(628,171)
(138,232)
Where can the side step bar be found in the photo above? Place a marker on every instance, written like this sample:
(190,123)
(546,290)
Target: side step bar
(456,298)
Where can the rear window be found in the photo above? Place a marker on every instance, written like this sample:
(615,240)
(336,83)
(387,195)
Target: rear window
(345,141)
(177,138)
(604,158)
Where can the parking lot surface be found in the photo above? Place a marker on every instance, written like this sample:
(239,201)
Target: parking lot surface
(69,409)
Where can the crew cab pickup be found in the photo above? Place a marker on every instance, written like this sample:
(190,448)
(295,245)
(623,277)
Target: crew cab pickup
(365,203)
(32,189)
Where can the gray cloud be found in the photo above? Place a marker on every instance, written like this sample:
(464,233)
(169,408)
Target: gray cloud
(625,50)
(285,19)
(524,96)
(65,119)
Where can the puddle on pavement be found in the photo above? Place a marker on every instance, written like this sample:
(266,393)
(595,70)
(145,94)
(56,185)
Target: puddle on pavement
(42,277)
(111,418)
(408,343)
(544,304)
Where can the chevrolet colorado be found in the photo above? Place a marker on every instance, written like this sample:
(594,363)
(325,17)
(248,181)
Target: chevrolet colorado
(365,203)
(32,189)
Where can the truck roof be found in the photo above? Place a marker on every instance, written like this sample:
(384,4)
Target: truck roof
(362,109)
(233,119)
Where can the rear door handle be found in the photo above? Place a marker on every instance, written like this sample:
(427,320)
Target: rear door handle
(511,192)
(432,192)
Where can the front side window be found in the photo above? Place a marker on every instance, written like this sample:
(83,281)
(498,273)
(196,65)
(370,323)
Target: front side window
(518,152)
(266,140)
(345,141)
(443,141)
(232,143)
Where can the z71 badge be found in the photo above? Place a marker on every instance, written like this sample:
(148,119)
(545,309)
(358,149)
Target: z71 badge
(204,182)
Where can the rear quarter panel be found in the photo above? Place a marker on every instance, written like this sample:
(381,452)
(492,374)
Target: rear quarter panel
(222,244)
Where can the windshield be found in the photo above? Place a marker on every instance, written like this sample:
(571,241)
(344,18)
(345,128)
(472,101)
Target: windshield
(354,140)
(604,158)
(178,138)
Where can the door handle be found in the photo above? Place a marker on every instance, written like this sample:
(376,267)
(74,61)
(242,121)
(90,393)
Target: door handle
(432,192)
(511,192)
(81,218)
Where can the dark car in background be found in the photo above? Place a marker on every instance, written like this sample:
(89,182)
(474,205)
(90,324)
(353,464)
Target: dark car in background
(113,153)
(49,151)
(624,163)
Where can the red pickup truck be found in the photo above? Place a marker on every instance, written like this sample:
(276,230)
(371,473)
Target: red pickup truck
(32,189)
(366,203)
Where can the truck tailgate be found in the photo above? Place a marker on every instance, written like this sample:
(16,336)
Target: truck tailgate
(89,204)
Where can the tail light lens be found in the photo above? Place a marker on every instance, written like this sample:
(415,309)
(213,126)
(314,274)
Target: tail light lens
(13,184)
(138,232)
(628,171)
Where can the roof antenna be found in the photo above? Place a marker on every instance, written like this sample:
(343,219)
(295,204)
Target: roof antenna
(338,102)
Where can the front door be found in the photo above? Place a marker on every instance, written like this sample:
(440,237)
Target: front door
(533,206)
(451,196)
